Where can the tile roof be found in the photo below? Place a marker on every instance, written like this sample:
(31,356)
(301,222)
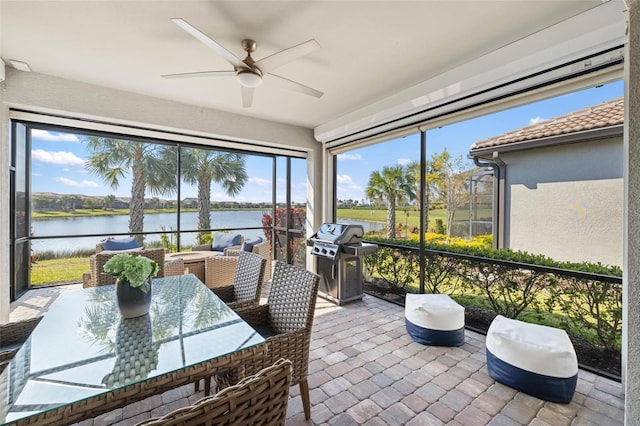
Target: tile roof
(606,114)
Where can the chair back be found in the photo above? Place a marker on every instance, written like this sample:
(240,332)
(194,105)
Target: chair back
(247,281)
(219,270)
(100,278)
(174,267)
(292,298)
(12,336)
(256,400)
(264,249)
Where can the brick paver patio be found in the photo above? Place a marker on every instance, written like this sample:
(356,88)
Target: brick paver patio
(365,370)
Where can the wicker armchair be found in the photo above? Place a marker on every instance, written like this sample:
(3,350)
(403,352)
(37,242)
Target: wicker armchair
(12,336)
(256,400)
(263,249)
(245,290)
(222,269)
(286,323)
(96,277)
(174,267)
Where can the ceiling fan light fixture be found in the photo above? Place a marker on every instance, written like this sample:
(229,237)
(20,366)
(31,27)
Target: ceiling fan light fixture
(249,78)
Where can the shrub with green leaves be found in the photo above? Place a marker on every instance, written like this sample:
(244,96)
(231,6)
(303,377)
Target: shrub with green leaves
(398,268)
(594,305)
(510,290)
(515,284)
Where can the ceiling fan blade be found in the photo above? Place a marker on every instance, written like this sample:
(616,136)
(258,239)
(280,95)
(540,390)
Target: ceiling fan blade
(271,62)
(247,96)
(293,85)
(201,74)
(230,57)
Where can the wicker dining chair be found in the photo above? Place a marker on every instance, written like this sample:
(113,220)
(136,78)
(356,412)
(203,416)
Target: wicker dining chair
(97,277)
(285,322)
(245,290)
(219,270)
(12,336)
(260,399)
(174,267)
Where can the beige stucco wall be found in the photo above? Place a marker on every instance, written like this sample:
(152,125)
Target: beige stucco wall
(566,202)
(631,266)
(41,93)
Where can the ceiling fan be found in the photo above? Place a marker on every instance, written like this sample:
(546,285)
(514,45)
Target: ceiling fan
(247,71)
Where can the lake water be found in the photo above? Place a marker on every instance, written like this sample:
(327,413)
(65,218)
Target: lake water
(228,219)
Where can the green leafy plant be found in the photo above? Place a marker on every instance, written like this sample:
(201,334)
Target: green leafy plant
(511,283)
(134,269)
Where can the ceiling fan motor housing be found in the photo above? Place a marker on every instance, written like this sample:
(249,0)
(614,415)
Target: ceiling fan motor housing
(249,77)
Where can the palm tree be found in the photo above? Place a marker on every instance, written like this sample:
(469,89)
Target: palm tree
(113,159)
(392,185)
(202,167)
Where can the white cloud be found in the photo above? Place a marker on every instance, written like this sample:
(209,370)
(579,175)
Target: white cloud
(536,120)
(349,157)
(76,184)
(348,189)
(60,157)
(43,135)
(404,161)
(259,181)
(344,179)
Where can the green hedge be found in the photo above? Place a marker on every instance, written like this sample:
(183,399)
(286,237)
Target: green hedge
(583,298)
(508,255)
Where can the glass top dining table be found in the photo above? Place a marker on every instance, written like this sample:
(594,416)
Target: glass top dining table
(83,359)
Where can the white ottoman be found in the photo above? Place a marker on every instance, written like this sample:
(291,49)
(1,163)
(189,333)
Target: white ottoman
(434,319)
(534,359)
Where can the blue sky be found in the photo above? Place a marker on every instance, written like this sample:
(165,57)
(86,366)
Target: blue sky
(58,166)
(354,167)
(58,158)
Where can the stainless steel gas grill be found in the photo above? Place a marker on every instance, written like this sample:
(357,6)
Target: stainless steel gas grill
(339,249)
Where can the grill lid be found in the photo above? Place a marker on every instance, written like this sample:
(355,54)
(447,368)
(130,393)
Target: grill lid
(339,233)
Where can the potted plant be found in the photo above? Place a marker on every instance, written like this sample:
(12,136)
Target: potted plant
(133,282)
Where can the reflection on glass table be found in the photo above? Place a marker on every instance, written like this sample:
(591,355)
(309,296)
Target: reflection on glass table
(83,350)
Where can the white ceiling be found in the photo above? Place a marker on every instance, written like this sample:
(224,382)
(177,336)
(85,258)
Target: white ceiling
(369,49)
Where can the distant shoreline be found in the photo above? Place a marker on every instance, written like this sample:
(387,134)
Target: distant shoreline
(116,212)
(346,213)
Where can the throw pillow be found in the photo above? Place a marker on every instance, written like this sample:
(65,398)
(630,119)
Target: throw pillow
(248,245)
(222,240)
(121,244)
(122,251)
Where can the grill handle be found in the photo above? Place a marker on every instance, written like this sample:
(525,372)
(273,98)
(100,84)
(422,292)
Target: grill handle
(333,271)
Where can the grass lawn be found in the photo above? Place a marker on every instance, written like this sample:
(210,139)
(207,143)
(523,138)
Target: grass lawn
(58,270)
(380,215)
